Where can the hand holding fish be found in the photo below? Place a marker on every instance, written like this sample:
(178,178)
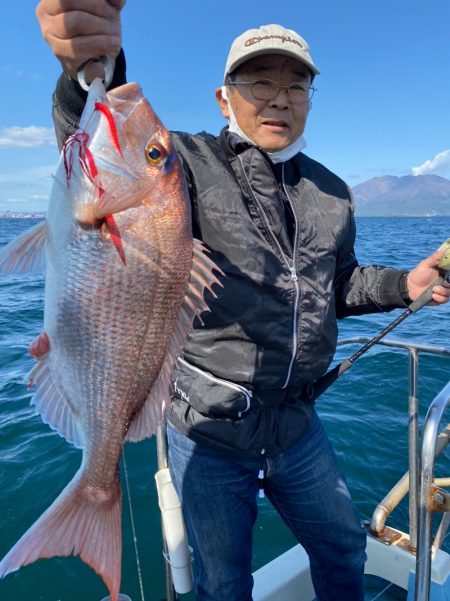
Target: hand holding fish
(78,30)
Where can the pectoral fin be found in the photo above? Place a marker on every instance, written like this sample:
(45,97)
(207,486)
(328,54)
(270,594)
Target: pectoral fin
(25,253)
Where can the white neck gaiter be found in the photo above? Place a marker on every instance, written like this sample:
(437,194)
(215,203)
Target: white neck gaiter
(276,157)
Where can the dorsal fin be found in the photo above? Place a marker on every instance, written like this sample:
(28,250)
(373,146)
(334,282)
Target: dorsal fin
(201,278)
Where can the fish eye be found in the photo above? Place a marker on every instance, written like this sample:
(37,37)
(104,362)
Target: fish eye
(154,153)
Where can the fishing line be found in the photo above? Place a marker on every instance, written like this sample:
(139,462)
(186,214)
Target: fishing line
(133,529)
(382,591)
(378,595)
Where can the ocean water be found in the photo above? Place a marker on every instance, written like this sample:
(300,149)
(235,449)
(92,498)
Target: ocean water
(365,414)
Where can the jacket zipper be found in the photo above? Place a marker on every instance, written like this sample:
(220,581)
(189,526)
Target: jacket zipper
(262,213)
(247,393)
(296,284)
(292,268)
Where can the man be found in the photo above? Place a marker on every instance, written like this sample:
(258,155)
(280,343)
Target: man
(281,227)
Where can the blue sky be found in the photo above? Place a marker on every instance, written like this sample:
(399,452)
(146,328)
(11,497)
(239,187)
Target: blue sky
(382,106)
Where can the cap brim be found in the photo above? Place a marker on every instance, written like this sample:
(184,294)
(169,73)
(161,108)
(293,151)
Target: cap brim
(234,65)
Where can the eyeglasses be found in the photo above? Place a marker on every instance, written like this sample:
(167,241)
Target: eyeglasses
(266,89)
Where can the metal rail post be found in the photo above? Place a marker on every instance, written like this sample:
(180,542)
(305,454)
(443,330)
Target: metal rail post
(413,438)
(424,543)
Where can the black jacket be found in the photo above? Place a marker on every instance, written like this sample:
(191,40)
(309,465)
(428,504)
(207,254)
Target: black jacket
(284,238)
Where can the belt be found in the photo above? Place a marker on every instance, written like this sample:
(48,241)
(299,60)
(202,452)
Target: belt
(271,397)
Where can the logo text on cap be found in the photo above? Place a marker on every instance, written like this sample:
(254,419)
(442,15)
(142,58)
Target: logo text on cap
(283,38)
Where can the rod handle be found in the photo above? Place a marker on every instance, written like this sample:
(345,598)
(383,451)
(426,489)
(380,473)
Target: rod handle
(426,296)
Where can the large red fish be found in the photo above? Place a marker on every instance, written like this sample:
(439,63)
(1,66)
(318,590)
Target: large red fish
(124,281)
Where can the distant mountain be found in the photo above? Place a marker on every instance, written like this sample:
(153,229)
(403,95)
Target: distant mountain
(410,195)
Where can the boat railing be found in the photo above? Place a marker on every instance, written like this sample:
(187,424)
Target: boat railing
(425,493)
(431,497)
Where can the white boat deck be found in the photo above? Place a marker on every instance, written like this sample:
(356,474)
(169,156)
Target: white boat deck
(287,577)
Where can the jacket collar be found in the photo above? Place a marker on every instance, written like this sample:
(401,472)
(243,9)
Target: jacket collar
(234,145)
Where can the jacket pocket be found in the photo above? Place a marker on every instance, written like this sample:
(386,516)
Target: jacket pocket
(209,395)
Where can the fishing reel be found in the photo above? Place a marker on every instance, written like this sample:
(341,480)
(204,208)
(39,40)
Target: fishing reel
(444,261)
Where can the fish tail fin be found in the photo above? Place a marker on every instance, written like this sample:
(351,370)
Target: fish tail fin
(81,521)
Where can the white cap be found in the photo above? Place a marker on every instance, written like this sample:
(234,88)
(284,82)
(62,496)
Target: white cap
(268,39)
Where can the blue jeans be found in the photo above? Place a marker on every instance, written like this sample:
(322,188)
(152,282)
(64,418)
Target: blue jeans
(307,488)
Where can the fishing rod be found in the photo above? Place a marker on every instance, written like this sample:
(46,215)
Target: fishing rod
(318,387)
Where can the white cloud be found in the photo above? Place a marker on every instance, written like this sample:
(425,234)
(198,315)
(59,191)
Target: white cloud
(439,165)
(28,189)
(26,137)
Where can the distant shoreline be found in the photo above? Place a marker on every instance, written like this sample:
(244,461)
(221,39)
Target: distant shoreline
(22,215)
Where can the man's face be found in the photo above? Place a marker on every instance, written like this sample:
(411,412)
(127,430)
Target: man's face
(272,124)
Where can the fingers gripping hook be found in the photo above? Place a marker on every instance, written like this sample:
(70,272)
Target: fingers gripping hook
(108,67)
